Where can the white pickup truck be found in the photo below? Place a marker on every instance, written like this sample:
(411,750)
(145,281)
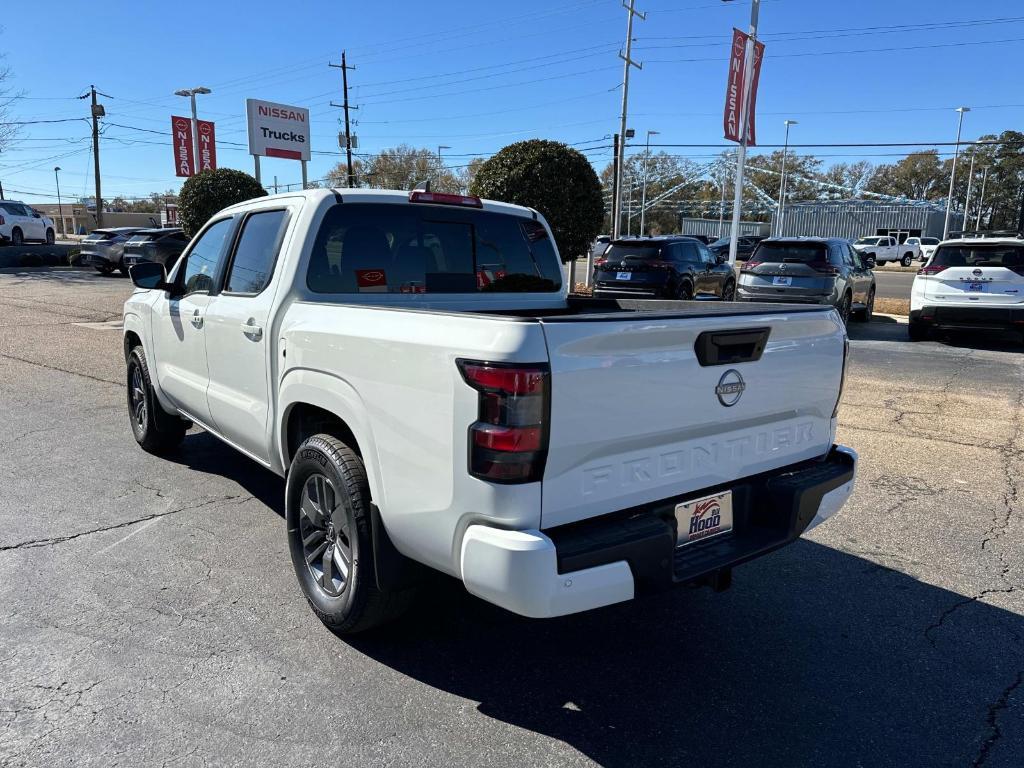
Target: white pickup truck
(884,249)
(412,364)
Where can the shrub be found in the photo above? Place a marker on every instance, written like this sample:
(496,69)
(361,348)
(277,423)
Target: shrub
(206,193)
(553,178)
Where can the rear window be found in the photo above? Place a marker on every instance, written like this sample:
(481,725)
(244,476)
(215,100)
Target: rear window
(142,238)
(639,252)
(804,253)
(99,234)
(388,248)
(871,240)
(929,241)
(987,255)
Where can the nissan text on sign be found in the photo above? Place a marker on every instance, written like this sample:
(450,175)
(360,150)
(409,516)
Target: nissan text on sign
(277,130)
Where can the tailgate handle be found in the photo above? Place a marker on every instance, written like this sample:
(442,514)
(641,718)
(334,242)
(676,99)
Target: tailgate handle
(730,347)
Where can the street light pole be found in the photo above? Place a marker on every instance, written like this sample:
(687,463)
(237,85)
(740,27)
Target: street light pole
(967,199)
(643,195)
(981,198)
(440,164)
(782,182)
(741,156)
(191,93)
(60,208)
(952,173)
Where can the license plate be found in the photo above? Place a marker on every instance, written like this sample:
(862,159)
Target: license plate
(976,287)
(623,275)
(703,518)
(782,280)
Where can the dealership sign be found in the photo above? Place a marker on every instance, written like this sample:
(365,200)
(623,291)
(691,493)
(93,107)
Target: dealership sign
(277,130)
(734,86)
(181,133)
(206,160)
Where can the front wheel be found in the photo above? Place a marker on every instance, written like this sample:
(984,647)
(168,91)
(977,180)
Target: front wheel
(908,259)
(327,513)
(155,430)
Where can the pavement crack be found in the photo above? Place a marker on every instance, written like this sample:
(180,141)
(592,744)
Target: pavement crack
(932,628)
(34,543)
(995,732)
(61,370)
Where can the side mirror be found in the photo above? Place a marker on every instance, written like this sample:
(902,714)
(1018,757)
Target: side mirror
(36,215)
(869,262)
(149,275)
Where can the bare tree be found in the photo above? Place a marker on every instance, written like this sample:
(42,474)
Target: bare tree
(8,130)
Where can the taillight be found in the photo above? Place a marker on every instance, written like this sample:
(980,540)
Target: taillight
(443,198)
(931,269)
(508,442)
(842,379)
(748,266)
(824,267)
(658,264)
(2,222)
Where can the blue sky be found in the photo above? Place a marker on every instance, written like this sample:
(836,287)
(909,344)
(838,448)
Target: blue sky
(478,75)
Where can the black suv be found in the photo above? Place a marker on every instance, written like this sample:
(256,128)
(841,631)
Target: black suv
(745,245)
(663,267)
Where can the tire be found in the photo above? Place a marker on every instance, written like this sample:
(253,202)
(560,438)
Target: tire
(685,291)
(729,291)
(907,260)
(917,331)
(104,269)
(51,238)
(155,430)
(16,237)
(864,315)
(843,308)
(333,554)
(123,270)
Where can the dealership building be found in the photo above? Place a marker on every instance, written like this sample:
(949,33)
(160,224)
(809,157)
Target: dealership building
(851,219)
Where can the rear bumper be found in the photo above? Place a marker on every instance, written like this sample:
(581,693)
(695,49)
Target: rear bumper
(96,257)
(610,559)
(995,317)
(774,295)
(653,291)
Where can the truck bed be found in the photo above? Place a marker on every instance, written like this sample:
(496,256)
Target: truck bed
(585,307)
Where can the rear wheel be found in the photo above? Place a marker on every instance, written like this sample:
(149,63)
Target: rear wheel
(685,291)
(729,291)
(908,259)
(104,268)
(50,237)
(843,308)
(16,237)
(327,513)
(865,314)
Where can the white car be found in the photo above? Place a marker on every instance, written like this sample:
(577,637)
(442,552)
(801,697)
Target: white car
(20,223)
(970,283)
(883,249)
(412,365)
(924,246)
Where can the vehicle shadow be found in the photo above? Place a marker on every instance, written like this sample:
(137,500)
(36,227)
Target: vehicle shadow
(888,329)
(814,657)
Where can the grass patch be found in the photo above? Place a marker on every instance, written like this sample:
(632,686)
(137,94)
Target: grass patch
(892,306)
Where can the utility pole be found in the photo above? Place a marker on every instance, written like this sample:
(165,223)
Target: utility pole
(952,172)
(981,198)
(60,206)
(967,199)
(721,206)
(741,155)
(615,186)
(344,67)
(628,62)
(643,195)
(97,113)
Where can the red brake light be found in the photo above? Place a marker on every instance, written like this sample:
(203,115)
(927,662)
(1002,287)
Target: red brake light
(931,269)
(824,267)
(508,442)
(443,198)
(748,266)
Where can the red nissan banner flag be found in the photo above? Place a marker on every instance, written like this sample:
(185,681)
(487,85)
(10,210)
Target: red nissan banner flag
(207,159)
(734,86)
(181,136)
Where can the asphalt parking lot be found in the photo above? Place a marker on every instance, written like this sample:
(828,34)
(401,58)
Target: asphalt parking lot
(151,617)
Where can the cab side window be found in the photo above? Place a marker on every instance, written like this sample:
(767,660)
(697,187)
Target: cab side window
(256,252)
(854,257)
(199,271)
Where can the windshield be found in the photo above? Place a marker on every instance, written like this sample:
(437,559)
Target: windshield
(720,242)
(388,248)
(868,241)
(791,252)
(981,255)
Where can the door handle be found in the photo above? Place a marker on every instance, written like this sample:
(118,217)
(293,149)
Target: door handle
(251,330)
(197,319)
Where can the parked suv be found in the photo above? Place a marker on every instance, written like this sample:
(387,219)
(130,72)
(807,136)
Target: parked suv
(104,248)
(745,245)
(663,267)
(20,223)
(970,283)
(925,246)
(809,270)
(160,245)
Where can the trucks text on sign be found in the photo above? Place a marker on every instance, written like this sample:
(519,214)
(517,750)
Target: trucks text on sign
(277,130)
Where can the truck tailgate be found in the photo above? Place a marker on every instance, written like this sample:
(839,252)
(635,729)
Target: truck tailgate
(636,418)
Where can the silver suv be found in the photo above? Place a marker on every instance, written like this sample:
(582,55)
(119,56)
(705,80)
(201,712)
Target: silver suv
(809,270)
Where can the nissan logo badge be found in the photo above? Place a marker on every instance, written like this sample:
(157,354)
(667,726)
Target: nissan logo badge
(730,388)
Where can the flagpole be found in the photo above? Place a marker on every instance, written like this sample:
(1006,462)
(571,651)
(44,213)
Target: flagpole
(741,155)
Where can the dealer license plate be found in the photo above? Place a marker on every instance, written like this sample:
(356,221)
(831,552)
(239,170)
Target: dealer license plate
(782,280)
(979,287)
(623,275)
(703,518)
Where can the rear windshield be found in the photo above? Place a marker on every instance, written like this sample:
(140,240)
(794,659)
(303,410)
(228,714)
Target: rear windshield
(639,252)
(987,255)
(99,234)
(791,252)
(142,238)
(929,241)
(389,248)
